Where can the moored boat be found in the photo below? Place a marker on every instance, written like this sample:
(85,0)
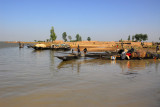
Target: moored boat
(66,58)
(100,55)
(124,55)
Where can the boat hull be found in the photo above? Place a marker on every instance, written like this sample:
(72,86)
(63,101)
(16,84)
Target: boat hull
(66,58)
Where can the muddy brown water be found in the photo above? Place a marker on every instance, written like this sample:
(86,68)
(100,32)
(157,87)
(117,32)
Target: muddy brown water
(31,78)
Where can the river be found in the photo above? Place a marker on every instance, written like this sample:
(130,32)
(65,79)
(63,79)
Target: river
(30,78)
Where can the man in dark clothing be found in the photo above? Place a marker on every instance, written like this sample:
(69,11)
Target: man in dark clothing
(79,52)
(157,48)
(85,50)
(122,44)
(72,51)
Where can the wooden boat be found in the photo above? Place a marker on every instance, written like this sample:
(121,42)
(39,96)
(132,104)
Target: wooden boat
(117,56)
(62,48)
(41,48)
(66,58)
(100,55)
(29,46)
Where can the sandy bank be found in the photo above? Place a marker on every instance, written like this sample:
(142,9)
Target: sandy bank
(101,46)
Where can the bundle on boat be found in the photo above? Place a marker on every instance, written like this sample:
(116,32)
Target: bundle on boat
(64,47)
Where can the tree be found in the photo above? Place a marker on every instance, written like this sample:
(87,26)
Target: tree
(52,35)
(89,39)
(70,38)
(129,38)
(137,37)
(64,36)
(140,37)
(133,38)
(78,37)
(144,37)
(35,40)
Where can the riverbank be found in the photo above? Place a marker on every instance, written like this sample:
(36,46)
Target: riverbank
(100,46)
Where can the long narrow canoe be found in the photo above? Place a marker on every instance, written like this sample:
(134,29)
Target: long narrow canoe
(100,55)
(66,58)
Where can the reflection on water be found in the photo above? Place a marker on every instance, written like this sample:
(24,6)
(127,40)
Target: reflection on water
(127,66)
(37,78)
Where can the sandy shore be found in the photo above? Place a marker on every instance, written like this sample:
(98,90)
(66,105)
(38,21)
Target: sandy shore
(100,46)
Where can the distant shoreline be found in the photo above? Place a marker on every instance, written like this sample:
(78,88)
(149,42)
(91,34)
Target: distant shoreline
(99,46)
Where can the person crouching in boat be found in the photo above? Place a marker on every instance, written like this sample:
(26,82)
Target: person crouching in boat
(129,53)
(123,55)
(126,54)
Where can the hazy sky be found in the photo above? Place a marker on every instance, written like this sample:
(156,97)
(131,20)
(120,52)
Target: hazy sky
(103,20)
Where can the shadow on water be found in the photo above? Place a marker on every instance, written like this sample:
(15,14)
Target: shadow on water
(52,57)
(37,51)
(136,65)
(52,61)
(128,67)
(72,63)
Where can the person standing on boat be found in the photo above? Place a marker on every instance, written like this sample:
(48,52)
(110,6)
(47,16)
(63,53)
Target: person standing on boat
(79,52)
(142,43)
(72,51)
(122,45)
(157,48)
(85,50)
